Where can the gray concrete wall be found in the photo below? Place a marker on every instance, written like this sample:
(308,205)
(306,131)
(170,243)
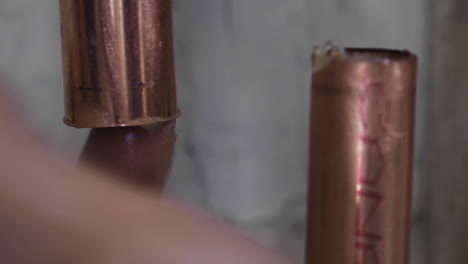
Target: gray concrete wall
(243,78)
(447,137)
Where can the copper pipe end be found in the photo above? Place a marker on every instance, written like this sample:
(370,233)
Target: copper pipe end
(118,62)
(361,156)
(138,155)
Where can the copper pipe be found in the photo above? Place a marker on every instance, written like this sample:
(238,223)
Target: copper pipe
(361,153)
(119,75)
(141,156)
(118,62)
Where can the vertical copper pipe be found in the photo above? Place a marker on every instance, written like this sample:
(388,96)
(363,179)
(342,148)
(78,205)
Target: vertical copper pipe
(361,153)
(118,62)
(137,155)
(119,75)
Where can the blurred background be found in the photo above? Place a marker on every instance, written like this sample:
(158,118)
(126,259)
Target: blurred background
(243,73)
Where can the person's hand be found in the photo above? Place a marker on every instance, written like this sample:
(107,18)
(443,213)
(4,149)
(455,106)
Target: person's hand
(52,212)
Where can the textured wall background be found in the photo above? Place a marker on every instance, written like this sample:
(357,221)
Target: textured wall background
(243,78)
(447,145)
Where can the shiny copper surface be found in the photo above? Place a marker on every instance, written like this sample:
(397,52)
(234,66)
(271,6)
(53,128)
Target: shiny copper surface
(361,154)
(136,155)
(118,62)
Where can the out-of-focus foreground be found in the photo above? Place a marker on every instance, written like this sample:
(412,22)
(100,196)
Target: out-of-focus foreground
(243,75)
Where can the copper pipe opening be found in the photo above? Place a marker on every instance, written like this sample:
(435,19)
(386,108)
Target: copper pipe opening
(380,53)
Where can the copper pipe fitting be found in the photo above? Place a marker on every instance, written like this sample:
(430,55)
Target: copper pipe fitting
(361,156)
(118,62)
